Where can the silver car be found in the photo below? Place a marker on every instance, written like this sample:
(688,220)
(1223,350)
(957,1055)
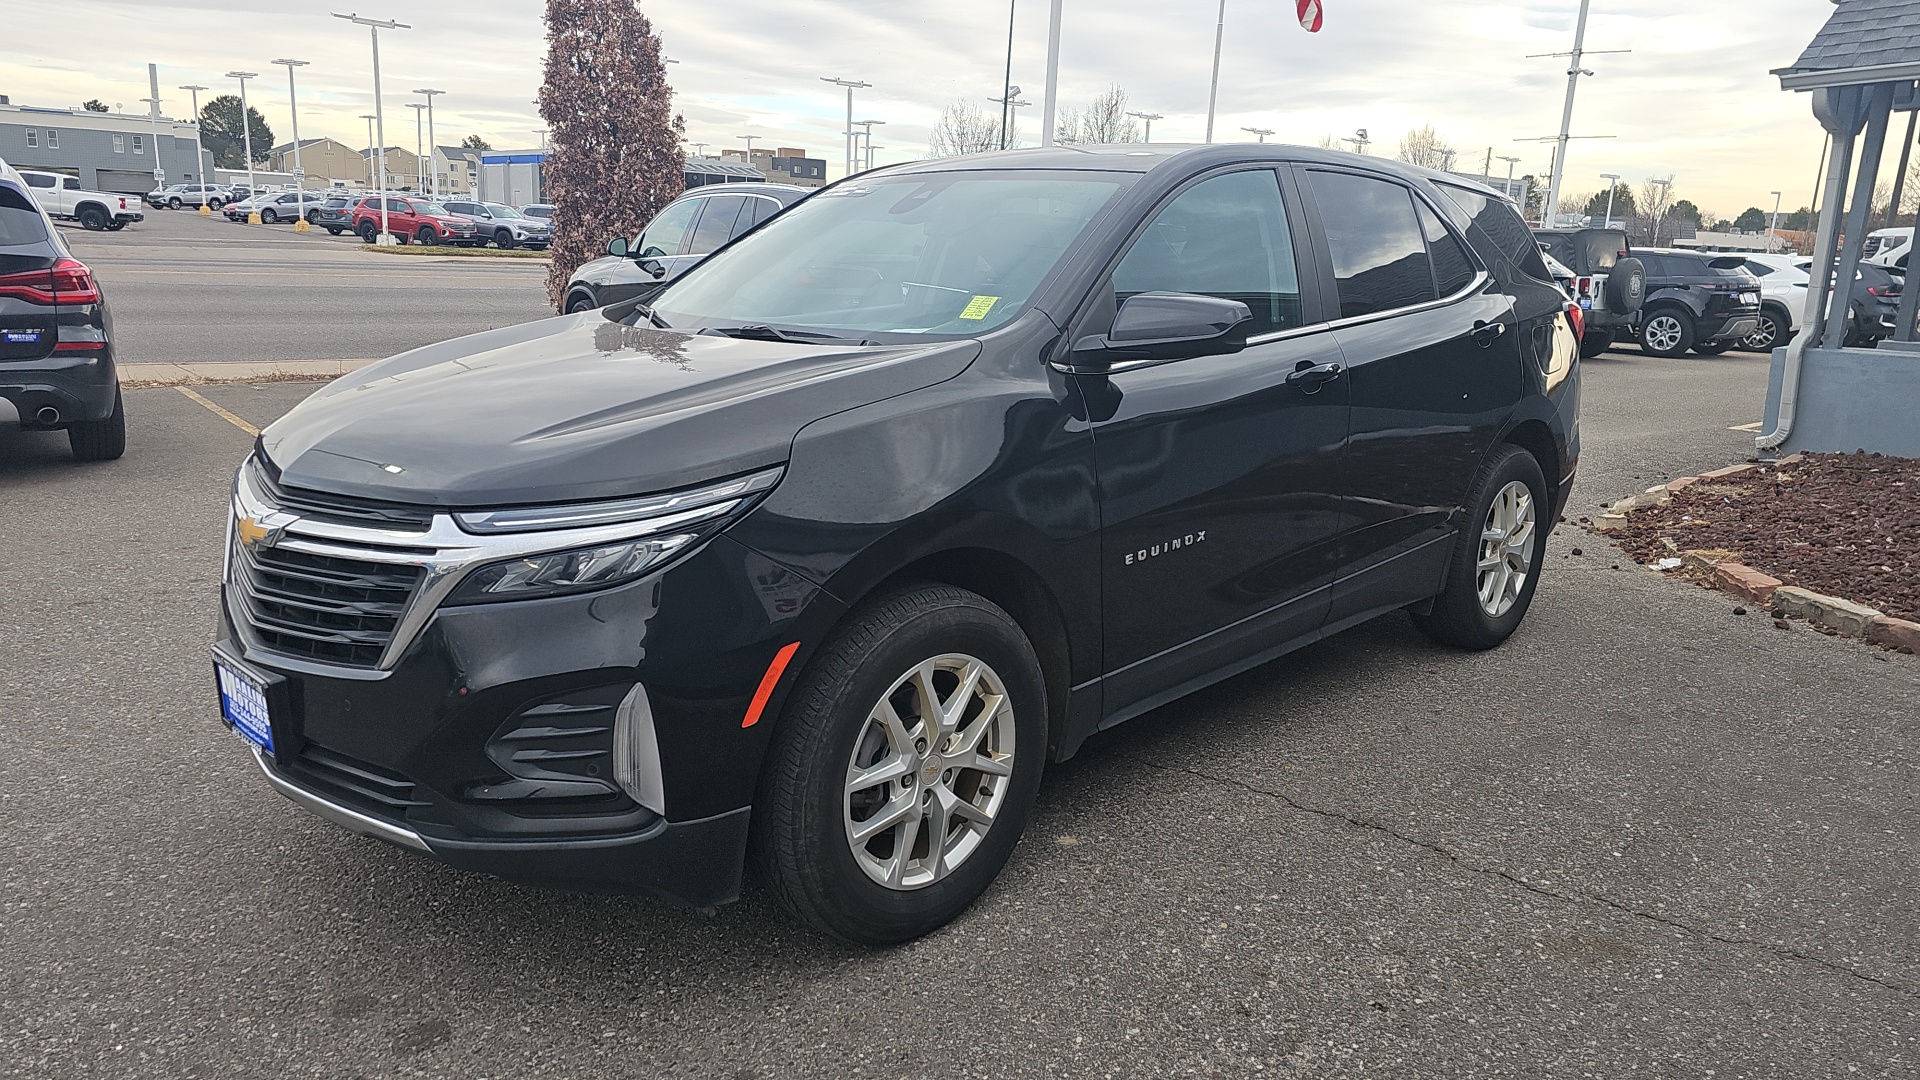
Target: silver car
(175,196)
(505,226)
(289,206)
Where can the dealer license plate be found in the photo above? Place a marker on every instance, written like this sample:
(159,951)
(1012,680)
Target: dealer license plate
(243,703)
(1586,303)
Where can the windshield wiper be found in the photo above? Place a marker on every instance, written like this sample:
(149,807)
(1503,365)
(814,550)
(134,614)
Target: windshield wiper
(642,309)
(763,332)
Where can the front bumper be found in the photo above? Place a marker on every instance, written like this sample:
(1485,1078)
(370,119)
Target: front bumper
(1724,327)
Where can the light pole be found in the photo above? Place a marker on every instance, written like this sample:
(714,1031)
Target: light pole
(1359,140)
(1008,91)
(246,132)
(1613,185)
(374,26)
(199,164)
(1149,117)
(293,110)
(749,139)
(153,104)
(368,117)
(851,85)
(866,132)
(1774,222)
(1511,162)
(433,144)
(419,168)
(1666,190)
(699,149)
(1262,132)
(1007,105)
(1050,113)
(870,149)
(1213,89)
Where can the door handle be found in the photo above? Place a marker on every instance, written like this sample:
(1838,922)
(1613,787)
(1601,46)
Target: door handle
(1486,333)
(1309,376)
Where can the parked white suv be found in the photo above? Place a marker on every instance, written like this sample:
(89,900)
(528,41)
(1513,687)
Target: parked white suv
(1888,248)
(1783,296)
(178,195)
(61,196)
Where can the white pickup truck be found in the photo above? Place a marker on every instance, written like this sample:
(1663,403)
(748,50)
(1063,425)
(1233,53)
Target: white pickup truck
(61,196)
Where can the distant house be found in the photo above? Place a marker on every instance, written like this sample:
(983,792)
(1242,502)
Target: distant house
(456,169)
(403,168)
(328,162)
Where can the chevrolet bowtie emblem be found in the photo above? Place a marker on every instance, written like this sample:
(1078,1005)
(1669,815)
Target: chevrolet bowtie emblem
(264,531)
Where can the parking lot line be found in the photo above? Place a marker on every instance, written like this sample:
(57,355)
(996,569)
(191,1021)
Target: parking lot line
(220,412)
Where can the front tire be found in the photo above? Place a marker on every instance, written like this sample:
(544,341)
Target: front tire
(580,302)
(214,204)
(503,240)
(1667,331)
(269,217)
(426,237)
(1497,559)
(173,203)
(904,767)
(1772,331)
(100,440)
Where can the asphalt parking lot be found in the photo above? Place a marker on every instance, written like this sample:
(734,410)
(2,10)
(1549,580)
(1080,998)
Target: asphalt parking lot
(1648,837)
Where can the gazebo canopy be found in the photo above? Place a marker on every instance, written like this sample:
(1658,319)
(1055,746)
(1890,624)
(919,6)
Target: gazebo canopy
(1864,42)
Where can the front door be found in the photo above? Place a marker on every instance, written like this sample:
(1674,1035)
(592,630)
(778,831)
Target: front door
(1218,475)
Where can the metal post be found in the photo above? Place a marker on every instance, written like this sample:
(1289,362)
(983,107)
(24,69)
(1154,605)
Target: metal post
(1900,177)
(1149,117)
(1909,299)
(153,114)
(1566,118)
(433,142)
(1878,113)
(379,112)
(199,164)
(1051,113)
(293,109)
(1613,185)
(1773,223)
(1006,86)
(851,85)
(246,128)
(1213,88)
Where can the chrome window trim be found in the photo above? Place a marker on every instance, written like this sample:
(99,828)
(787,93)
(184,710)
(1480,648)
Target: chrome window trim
(444,552)
(1479,282)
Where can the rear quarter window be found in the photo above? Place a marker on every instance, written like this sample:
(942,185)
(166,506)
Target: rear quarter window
(20,220)
(1500,222)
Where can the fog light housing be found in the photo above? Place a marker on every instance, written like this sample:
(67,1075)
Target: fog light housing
(636,752)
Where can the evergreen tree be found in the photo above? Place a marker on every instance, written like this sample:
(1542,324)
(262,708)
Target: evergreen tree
(475,142)
(615,156)
(220,132)
(1753,219)
(95,105)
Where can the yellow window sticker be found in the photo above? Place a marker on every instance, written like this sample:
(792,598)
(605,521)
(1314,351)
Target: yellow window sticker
(978,307)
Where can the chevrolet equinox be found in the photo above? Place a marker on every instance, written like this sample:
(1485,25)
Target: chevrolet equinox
(813,562)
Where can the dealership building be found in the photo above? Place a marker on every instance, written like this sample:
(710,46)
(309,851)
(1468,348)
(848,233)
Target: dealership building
(107,151)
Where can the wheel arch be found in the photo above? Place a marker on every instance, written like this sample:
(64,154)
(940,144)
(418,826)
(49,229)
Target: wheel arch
(1536,438)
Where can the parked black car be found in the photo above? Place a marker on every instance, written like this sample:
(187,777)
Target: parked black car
(685,231)
(335,215)
(816,562)
(1609,283)
(1875,306)
(1696,300)
(56,334)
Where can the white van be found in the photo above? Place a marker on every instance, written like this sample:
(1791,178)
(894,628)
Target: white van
(1888,247)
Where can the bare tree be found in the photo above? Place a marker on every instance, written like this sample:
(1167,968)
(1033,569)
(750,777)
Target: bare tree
(1329,142)
(965,128)
(615,157)
(1106,120)
(1425,148)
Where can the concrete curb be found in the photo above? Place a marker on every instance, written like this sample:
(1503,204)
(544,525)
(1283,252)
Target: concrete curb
(1844,618)
(146,376)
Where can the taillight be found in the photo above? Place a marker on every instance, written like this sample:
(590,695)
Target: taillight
(34,286)
(1586,287)
(73,283)
(1579,320)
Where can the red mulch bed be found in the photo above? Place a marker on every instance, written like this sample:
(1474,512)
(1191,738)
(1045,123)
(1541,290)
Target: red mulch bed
(1846,525)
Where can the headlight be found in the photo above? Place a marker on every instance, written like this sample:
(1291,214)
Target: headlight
(568,571)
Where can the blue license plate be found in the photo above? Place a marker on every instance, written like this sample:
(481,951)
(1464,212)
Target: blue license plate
(1586,303)
(20,337)
(243,703)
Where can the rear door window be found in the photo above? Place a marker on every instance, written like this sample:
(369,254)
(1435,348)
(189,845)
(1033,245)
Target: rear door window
(1226,237)
(667,233)
(38,180)
(1380,259)
(715,226)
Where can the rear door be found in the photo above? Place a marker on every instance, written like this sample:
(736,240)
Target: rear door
(1433,346)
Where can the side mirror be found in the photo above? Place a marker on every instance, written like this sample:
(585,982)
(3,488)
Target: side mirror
(1168,326)
(617,247)
(655,267)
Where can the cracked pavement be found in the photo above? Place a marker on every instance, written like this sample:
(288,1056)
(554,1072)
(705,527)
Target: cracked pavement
(1647,837)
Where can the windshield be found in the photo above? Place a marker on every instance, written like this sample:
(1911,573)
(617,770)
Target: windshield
(940,253)
(432,209)
(502,211)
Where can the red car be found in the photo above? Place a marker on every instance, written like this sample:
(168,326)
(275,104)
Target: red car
(413,220)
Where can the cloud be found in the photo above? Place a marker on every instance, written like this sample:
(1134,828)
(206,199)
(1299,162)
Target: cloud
(1692,99)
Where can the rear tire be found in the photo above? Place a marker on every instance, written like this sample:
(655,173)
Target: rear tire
(1594,343)
(100,440)
(1771,332)
(333,230)
(1667,331)
(861,708)
(1491,579)
(369,232)
(92,218)
(214,204)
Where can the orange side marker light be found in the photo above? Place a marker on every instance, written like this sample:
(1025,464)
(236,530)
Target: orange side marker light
(767,682)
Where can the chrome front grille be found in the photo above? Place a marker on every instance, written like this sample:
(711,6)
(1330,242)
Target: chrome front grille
(322,607)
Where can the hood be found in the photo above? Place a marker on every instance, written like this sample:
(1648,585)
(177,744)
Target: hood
(579,408)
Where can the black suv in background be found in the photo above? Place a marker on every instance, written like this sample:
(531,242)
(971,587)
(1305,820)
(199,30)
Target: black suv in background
(1609,284)
(56,335)
(1696,300)
(816,563)
(685,231)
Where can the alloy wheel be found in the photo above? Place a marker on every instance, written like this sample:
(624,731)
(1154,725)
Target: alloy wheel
(1764,336)
(1662,332)
(929,772)
(1506,549)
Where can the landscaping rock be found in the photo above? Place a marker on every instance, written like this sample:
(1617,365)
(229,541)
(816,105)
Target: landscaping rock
(1895,634)
(1843,616)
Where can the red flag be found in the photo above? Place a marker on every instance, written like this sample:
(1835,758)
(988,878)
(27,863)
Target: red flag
(1309,15)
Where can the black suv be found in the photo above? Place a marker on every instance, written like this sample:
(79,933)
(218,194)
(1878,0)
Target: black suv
(817,562)
(56,336)
(685,231)
(1697,300)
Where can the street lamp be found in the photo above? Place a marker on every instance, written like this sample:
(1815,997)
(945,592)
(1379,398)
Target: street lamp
(1213,88)
(1511,162)
(153,114)
(1613,185)
(374,26)
(1666,191)
(433,174)
(199,164)
(419,170)
(1774,222)
(851,85)
(1262,132)
(1149,117)
(866,131)
(293,109)
(1359,140)
(1007,105)
(870,149)
(368,117)
(749,139)
(699,149)
(246,128)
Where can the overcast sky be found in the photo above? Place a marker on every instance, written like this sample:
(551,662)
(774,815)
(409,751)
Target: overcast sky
(1692,99)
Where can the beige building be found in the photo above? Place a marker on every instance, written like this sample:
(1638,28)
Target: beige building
(328,162)
(403,169)
(457,169)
